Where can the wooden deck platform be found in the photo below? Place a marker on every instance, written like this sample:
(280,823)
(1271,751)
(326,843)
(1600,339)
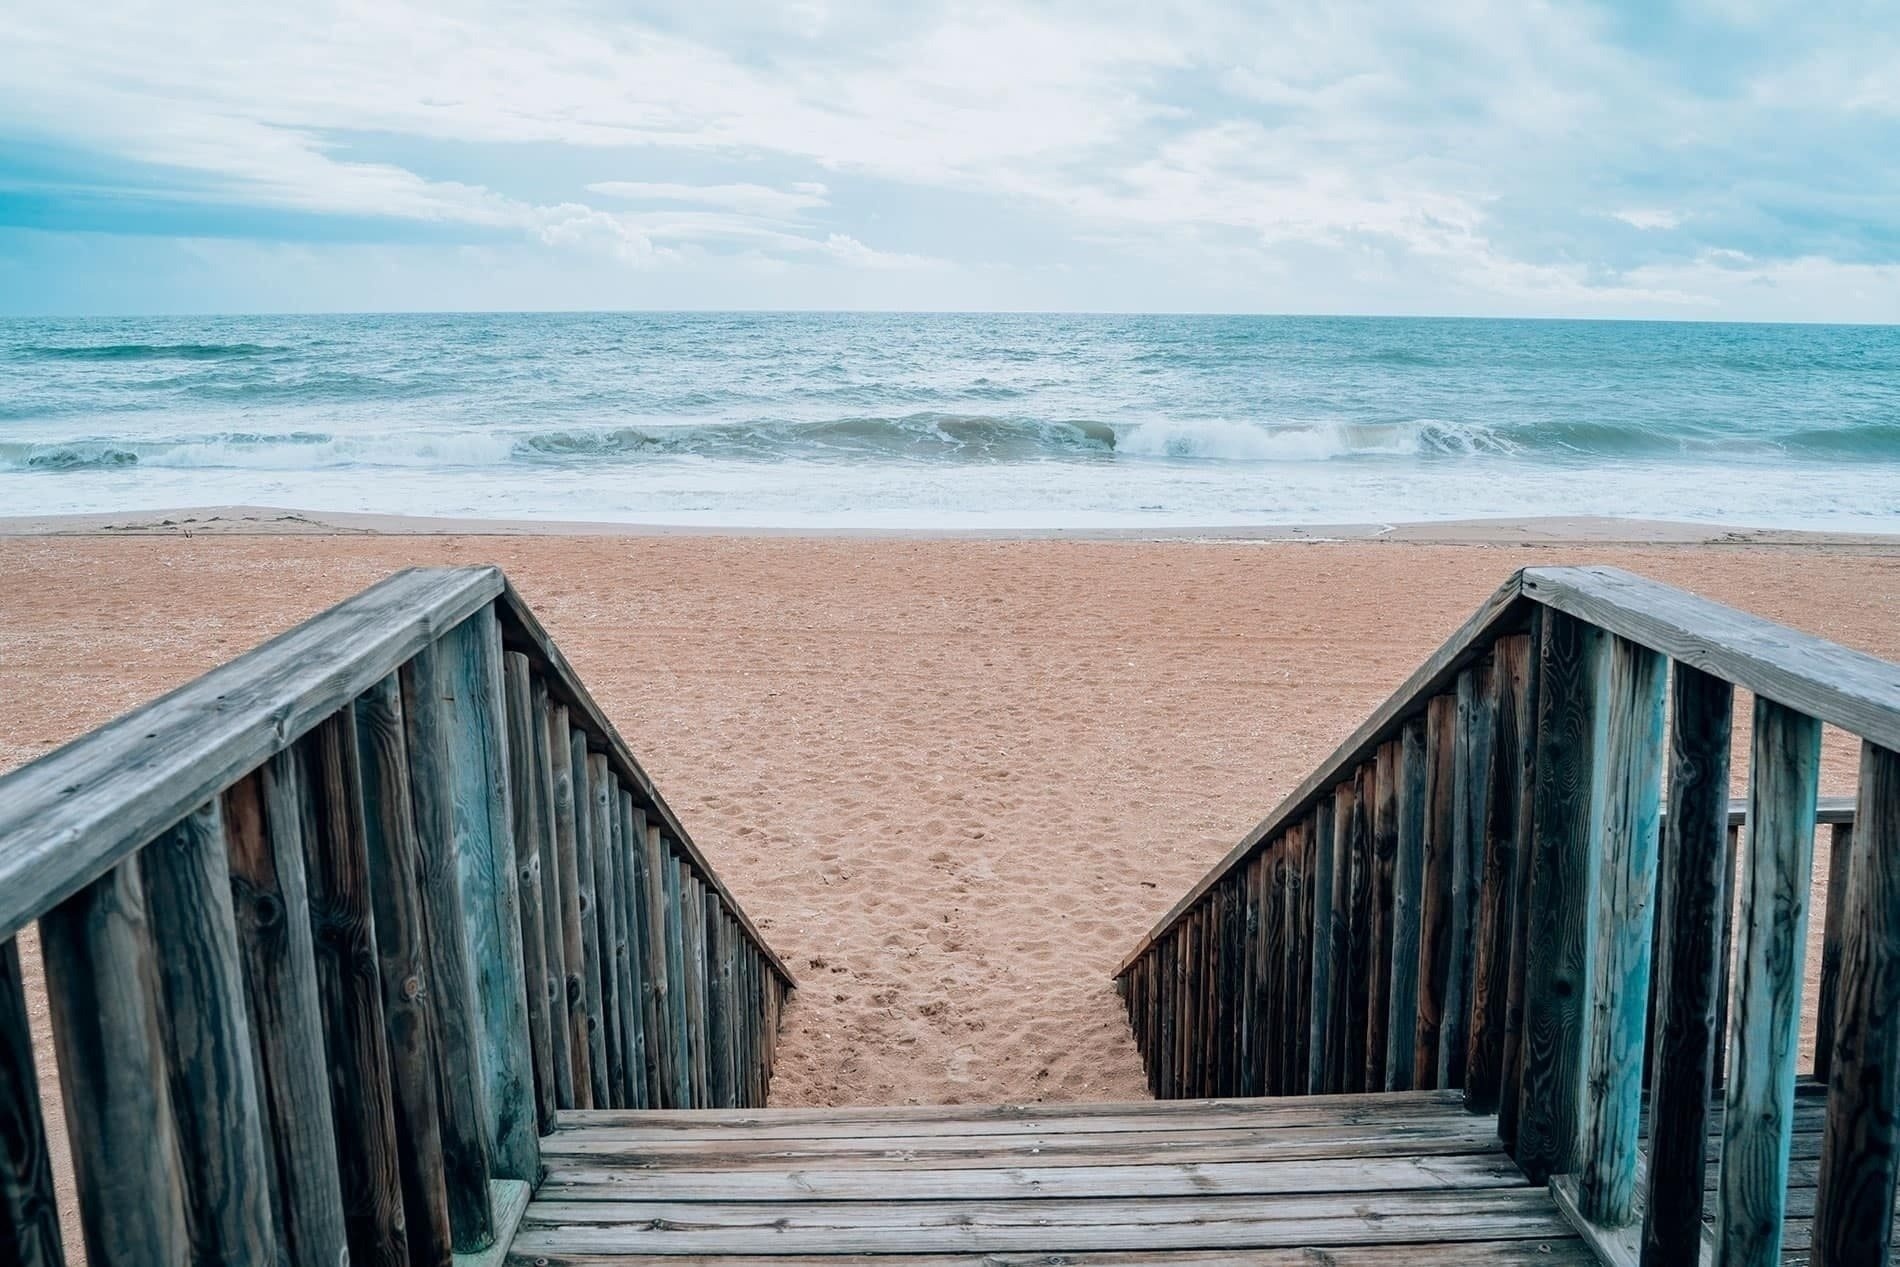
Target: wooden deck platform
(1407,1178)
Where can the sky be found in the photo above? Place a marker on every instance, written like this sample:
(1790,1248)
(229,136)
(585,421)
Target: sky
(1711,160)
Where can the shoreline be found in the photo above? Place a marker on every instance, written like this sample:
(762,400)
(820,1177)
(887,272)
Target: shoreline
(269,521)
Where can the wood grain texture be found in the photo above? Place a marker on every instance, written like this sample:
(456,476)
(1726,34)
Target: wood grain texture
(270,898)
(482,775)
(1772,932)
(1860,1149)
(1319,947)
(1624,845)
(1436,891)
(554,777)
(1385,852)
(588,911)
(626,944)
(1276,948)
(1572,672)
(207,1041)
(1474,735)
(569,825)
(678,1002)
(343,935)
(77,812)
(531,835)
(1833,934)
(603,797)
(649,959)
(101,983)
(1359,939)
(402,961)
(1517,718)
(1691,883)
(1494,820)
(29,1216)
(721,934)
(1408,878)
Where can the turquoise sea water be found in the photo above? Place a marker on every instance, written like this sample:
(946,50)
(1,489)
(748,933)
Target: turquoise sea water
(893,420)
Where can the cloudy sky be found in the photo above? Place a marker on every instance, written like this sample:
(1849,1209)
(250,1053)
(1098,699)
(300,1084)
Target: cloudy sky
(1714,159)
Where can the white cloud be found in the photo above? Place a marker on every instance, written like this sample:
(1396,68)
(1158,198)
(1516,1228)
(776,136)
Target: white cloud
(1648,218)
(756,200)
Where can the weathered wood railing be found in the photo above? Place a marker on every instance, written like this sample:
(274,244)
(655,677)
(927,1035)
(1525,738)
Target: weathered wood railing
(333,931)
(1468,891)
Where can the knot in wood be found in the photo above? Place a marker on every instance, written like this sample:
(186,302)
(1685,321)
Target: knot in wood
(412,988)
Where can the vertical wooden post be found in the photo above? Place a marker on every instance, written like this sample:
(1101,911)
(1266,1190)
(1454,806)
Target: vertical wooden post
(1408,883)
(343,934)
(1436,890)
(482,771)
(1572,672)
(719,1009)
(649,959)
(601,785)
(1339,952)
(1520,752)
(1840,847)
(450,1001)
(207,1039)
(1474,736)
(270,898)
(531,833)
(1247,1081)
(1776,871)
(554,780)
(1359,940)
(1320,884)
(693,948)
(1725,960)
(1623,917)
(1860,1147)
(587,913)
(1694,860)
(1385,852)
(29,1218)
(1275,1002)
(1496,818)
(402,957)
(678,997)
(98,950)
(626,993)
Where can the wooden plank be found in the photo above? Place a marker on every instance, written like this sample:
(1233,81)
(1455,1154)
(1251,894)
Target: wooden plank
(29,1215)
(270,898)
(1494,820)
(1624,845)
(1517,753)
(1274,947)
(1833,935)
(1323,842)
(402,960)
(523,626)
(626,947)
(101,982)
(574,962)
(1503,612)
(509,1201)
(74,814)
(719,999)
(1572,664)
(206,1036)
(1359,940)
(642,947)
(604,792)
(679,1003)
(1436,891)
(449,1000)
(343,935)
(1692,883)
(1339,952)
(1860,1153)
(1385,852)
(587,896)
(554,777)
(1725,958)
(693,958)
(1550,1253)
(1408,880)
(1773,930)
(661,1036)
(483,773)
(1474,736)
(1247,1005)
(531,831)
(1821,679)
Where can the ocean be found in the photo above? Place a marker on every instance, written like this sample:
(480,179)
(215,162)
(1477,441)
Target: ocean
(955,420)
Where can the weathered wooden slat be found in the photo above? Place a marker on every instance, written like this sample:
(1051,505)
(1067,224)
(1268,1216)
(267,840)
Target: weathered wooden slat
(626,945)
(1275,947)
(1436,891)
(719,999)
(1503,612)
(1385,852)
(101,983)
(531,831)
(402,960)
(206,1036)
(1691,881)
(1833,934)
(29,1215)
(1474,735)
(649,958)
(1521,752)
(1494,819)
(263,821)
(1860,1152)
(77,812)
(678,1001)
(1772,928)
(1359,972)
(1247,1006)
(343,928)
(523,626)
(554,778)
(1556,1253)
(604,793)
(581,986)
(1821,679)
(1624,845)
(1408,878)
(587,908)
(1725,957)
(1339,952)
(449,997)
(693,958)
(1572,667)
(483,774)
(1319,948)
